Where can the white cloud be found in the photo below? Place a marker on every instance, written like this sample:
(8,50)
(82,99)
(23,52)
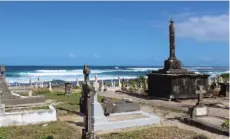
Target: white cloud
(96,55)
(72,55)
(205,28)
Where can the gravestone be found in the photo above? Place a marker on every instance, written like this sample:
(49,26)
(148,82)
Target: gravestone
(102,86)
(77,83)
(123,84)
(85,90)
(118,106)
(119,82)
(161,83)
(68,88)
(86,106)
(50,86)
(199,109)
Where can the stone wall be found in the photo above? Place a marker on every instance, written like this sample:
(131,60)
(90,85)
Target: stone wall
(27,117)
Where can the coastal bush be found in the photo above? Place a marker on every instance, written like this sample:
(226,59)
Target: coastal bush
(225,124)
(225,75)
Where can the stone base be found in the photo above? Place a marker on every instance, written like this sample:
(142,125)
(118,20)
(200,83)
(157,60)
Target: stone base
(198,111)
(126,119)
(175,86)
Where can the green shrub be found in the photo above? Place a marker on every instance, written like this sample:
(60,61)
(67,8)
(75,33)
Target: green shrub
(225,75)
(225,124)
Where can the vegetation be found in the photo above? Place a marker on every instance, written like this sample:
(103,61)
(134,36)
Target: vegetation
(134,84)
(69,104)
(54,130)
(225,76)
(152,133)
(225,125)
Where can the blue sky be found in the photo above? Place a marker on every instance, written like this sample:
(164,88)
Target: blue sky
(112,33)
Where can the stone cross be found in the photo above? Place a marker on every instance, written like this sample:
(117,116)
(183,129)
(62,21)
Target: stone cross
(86,72)
(86,108)
(200,91)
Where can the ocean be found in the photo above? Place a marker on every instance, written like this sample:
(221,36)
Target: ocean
(22,74)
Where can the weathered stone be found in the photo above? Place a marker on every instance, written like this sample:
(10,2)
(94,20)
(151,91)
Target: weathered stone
(68,88)
(172,81)
(116,106)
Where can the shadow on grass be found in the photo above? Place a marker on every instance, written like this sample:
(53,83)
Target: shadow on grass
(81,124)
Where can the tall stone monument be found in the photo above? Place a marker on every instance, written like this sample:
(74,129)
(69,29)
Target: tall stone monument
(173,81)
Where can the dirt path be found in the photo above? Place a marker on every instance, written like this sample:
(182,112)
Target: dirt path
(173,106)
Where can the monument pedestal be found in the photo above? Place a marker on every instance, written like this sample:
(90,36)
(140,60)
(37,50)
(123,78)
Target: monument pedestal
(174,86)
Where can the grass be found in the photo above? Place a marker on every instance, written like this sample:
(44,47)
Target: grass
(61,130)
(56,130)
(225,125)
(153,133)
(24,94)
(70,103)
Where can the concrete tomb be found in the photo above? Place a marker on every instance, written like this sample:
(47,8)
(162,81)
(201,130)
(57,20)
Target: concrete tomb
(95,119)
(172,81)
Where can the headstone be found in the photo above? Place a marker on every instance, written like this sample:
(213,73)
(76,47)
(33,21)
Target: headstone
(30,82)
(209,81)
(86,105)
(199,109)
(77,83)
(68,88)
(50,87)
(123,84)
(220,80)
(112,83)
(36,84)
(119,82)
(102,85)
(95,78)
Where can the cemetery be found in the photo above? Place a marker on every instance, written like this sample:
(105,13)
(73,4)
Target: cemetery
(169,103)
